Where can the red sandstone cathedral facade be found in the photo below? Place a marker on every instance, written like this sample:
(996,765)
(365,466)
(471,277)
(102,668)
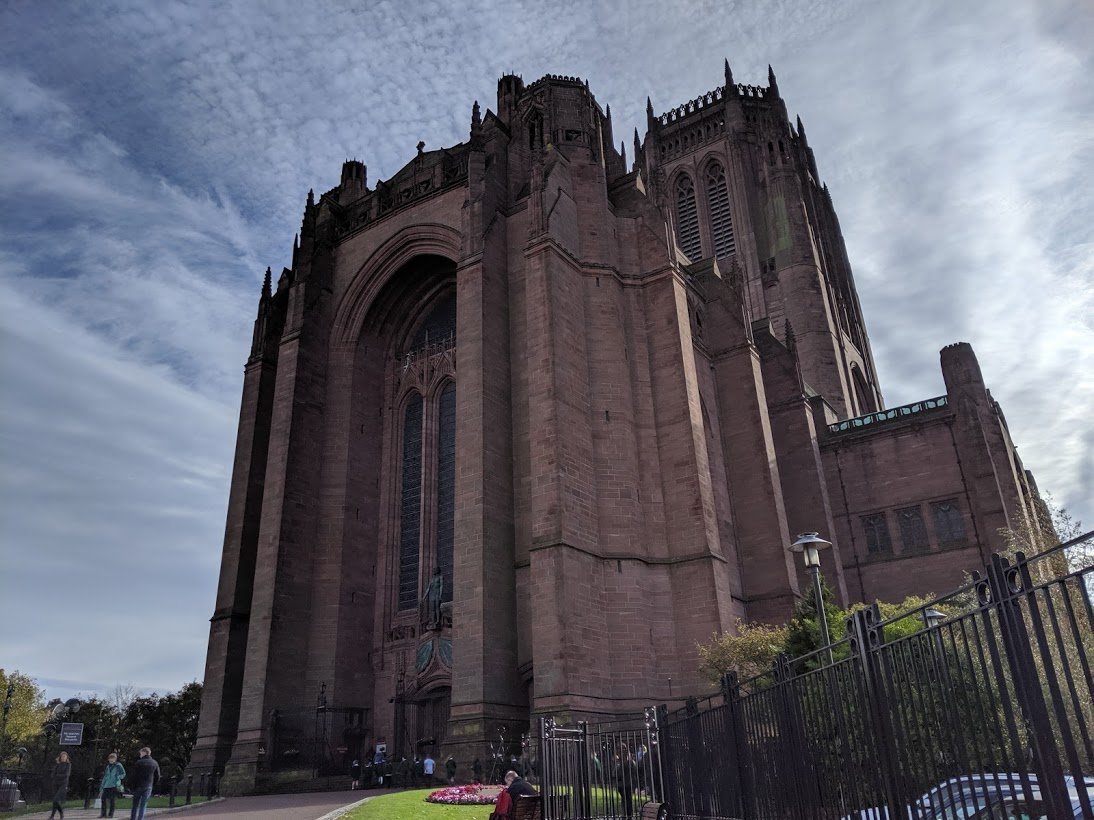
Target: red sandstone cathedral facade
(525,422)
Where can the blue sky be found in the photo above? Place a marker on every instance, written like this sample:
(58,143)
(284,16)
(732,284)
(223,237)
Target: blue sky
(156,157)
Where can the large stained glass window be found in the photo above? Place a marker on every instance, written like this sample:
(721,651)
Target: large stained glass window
(410,506)
(446,483)
(438,327)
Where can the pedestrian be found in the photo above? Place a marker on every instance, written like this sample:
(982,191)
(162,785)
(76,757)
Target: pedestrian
(476,770)
(403,773)
(626,776)
(142,778)
(450,769)
(58,784)
(378,760)
(111,784)
(355,775)
(429,765)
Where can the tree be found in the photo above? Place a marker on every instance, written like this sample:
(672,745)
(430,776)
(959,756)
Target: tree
(749,652)
(27,709)
(1048,526)
(167,724)
(803,632)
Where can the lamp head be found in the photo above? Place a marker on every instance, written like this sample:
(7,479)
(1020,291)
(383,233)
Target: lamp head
(810,544)
(933,617)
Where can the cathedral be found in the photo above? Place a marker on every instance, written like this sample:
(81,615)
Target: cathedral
(526,422)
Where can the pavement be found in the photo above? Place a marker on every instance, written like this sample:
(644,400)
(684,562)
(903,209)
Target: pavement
(308,806)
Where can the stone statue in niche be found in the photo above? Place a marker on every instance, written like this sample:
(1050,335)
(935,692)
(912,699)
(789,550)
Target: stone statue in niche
(431,601)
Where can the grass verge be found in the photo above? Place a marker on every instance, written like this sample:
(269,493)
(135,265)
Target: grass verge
(411,805)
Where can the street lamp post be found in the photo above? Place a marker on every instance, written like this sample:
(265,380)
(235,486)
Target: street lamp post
(809,544)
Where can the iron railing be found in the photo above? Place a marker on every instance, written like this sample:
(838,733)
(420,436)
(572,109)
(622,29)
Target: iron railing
(600,770)
(979,699)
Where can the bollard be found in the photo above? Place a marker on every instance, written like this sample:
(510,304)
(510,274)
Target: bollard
(189,788)
(87,792)
(201,785)
(171,792)
(214,789)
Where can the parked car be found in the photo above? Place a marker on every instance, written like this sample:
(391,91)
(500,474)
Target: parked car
(985,797)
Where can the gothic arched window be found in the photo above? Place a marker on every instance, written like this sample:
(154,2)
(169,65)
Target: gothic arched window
(721,219)
(426,446)
(687,220)
(410,505)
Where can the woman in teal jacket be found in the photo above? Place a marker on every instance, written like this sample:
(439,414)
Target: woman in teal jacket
(112,784)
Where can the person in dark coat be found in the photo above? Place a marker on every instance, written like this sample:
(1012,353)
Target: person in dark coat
(58,784)
(626,777)
(450,769)
(517,786)
(355,775)
(141,778)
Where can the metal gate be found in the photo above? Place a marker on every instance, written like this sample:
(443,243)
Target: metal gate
(601,771)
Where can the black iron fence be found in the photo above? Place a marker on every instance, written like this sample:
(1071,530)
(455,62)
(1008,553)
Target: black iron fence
(978,704)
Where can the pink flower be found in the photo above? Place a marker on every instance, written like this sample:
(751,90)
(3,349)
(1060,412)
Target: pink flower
(470,795)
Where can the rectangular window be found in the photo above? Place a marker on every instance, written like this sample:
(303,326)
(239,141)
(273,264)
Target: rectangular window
(948,524)
(877,533)
(913,532)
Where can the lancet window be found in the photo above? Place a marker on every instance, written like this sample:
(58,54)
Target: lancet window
(721,219)
(687,220)
(410,507)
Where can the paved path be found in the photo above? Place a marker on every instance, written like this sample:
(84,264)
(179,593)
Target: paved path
(309,806)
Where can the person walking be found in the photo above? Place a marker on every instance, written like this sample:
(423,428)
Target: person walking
(355,775)
(626,777)
(429,766)
(111,784)
(58,783)
(142,778)
(450,769)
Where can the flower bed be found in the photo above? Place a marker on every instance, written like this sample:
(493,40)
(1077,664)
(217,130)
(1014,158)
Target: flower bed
(471,795)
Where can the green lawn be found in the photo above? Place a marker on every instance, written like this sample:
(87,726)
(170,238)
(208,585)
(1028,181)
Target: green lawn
(411,805)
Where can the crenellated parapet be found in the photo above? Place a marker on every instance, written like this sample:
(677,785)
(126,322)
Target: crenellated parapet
(557,78)
(693,106)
